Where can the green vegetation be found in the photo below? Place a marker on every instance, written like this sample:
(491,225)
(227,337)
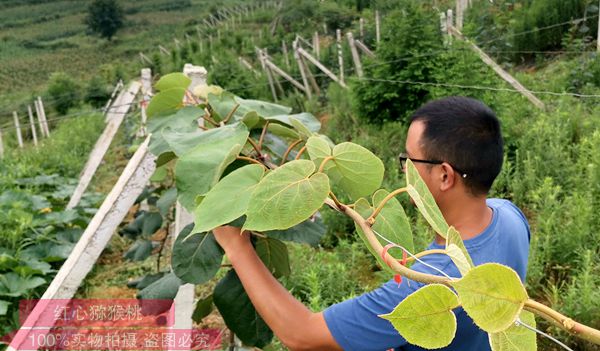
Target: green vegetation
(105,18)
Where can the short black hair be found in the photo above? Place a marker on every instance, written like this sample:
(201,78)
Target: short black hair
(465,133)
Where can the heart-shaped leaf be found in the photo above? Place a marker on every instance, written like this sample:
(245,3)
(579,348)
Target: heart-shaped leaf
(492,295)
(173,80)
(517,337)
(286,196)
(228,199)
(166,101)
(420,194)
(196,257)
(200,168)
(357,170)
(308,232)
(425,318)
(318,149)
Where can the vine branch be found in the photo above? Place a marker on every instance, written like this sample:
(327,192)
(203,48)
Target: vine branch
(262,135)
(325,160)
(371,219)
(251,160)
(300,152)
(230,114)
(255,146)
(289,149)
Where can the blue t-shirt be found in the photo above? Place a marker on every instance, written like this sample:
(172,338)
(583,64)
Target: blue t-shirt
(355,324)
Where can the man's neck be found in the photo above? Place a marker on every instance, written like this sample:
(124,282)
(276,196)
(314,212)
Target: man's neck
(469,217)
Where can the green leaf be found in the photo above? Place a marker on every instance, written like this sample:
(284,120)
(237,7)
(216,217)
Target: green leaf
(4,307)
(363,207)
(250,119)
(164,288)
(318,149)
(425,318)
(392,221)
(167,199)
(308,120)
(152,223)
(286,196)
(303,130)
(160,174)
(420,194)
(357,170)
(228,199)
(203,308)
(309,232)
(274,254)
(492,295)
(238,312)
(166,101)
(184,120)
(144,281)
(182,143)
(197,257)
(516,338)
(200,168)
(262,108)
(458,252)
(13,285)
(173,80)
(139,251)
(282,131)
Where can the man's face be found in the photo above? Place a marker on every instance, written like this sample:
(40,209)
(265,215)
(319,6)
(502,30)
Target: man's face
(414,149)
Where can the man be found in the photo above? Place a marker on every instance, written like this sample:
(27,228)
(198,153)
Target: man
(457,147)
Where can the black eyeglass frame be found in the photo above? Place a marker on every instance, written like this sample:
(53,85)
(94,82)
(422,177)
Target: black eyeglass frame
(404,156)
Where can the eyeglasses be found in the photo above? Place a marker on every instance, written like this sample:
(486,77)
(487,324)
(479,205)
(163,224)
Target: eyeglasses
(404,156)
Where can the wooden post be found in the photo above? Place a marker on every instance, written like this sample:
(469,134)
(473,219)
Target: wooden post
(338,35)
(163,50)
(320,66)
(301,67)
(36,105)
(500,71)
(115,118)
(377,28)
(94,239)
(146,76)
(459,15)
(44,120)
(355,57)
(1,145)
(18,129)
(32,124)
(449,25)
(364,48)
(284,74)
(362,28)
(261,59)
(285,54)
(316,46)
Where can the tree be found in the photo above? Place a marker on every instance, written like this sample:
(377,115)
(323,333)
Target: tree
(105,17)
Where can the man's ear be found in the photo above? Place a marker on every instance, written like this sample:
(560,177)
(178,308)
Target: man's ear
(447,177)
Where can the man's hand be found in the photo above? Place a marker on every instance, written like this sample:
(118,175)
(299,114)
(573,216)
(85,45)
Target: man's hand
(229,238)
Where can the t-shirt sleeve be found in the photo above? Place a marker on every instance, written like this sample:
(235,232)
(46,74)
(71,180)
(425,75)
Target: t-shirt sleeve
(355,323)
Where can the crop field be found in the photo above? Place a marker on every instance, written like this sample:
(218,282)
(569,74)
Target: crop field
(305,161)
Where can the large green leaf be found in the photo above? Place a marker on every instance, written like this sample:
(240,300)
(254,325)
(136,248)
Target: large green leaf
(420,194)
(492,295)
(166,200)
(457,251)
(318,149)
(222,104)
(425,318)
(173,80)
(274,254)
(203,308)
(309,232)
(517,337)
(282,131)
(286,196)
(152,222)
(238,312)
(308,120)
(262,108)
(357,170)
(200,168)
(196,257)
(184,120)
(166,101)
(228,199)
(183,142)
(392,221)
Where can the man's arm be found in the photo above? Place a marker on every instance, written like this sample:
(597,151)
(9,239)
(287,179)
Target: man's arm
(296,326)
